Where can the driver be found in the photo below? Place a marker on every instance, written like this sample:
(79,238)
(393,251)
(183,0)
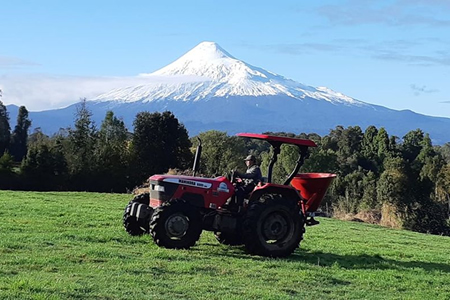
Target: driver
(250,179)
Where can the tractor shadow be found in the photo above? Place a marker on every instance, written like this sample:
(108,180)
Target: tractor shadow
(323,259)
(363,261)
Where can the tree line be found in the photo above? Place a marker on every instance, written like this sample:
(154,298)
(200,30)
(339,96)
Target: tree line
(401,182)
(85,157)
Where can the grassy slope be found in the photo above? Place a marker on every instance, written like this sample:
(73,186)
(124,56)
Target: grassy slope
(73,246)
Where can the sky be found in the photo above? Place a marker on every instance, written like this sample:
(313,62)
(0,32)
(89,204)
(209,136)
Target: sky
(392,53)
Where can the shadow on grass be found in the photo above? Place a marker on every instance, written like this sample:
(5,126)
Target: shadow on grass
(323,259)
(363,261)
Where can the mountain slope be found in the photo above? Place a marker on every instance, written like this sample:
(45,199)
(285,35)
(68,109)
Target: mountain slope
(208,88)
(208,71)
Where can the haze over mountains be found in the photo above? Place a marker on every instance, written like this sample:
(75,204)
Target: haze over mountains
(207,88)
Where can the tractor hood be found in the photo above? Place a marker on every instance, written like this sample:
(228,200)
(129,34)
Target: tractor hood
(200,182)
(199,191)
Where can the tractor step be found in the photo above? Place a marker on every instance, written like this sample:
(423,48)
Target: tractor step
(311,222)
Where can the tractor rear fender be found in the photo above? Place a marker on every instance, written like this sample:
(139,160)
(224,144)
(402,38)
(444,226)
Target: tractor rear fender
(270,188)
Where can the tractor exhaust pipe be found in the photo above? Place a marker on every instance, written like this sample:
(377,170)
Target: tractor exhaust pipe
(198,154)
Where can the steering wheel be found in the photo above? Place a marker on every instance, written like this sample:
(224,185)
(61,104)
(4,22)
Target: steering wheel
(235,179)
(232,176)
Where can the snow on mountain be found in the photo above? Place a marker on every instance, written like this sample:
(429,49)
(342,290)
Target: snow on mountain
(208,71)
(209,89)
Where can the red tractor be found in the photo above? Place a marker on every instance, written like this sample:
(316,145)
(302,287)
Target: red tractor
(271,222)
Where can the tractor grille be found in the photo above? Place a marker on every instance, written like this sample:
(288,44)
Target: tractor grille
(162,191)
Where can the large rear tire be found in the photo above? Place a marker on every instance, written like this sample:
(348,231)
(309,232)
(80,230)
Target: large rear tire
(176,224)
(133,225)
(273,228)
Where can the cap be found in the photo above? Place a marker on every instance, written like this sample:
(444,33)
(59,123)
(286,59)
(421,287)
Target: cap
(250,157)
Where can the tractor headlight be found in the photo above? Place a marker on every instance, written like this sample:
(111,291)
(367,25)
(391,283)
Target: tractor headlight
(158,188)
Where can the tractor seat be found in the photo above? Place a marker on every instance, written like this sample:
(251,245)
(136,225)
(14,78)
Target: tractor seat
(263,181)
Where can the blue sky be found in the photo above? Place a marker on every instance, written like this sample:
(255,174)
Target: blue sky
(392,53)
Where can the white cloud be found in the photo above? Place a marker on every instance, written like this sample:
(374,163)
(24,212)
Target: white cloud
(44,92)
(392,13)
(9,62)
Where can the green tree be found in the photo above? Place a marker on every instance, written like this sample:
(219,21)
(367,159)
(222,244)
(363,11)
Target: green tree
(393,146)
(444,150)
(349,190)
(349,148)
(80,148)
(350,141)
(369,197)
(412,144)
(5,133)
(19,136)
(220,153)
(443,188)
(369,149)
(331,140)
(287,159)
(321,161)
(44,167)
(160,142)
(6,162)
(426,149)
(38,161)
(7,175)
(393,193)
(429,161)
(111,155)
(37,136)
(383,146)
(284,165)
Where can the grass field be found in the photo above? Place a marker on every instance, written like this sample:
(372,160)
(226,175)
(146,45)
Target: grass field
(73,246)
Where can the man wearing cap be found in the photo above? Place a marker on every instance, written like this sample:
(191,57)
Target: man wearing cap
(250,178)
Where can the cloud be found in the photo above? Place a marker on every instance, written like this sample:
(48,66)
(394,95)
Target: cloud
(303,48)
(418,90)
(43,92)
(399,50)
(396,13)
(446,102)
(9,62)
(336,46)
(424,60)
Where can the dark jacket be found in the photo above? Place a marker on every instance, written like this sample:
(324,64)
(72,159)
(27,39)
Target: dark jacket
(253,175)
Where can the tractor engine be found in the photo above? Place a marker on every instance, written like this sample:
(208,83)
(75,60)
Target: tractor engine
(208,193)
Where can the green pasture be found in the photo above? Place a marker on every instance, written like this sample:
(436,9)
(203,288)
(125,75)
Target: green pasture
(73,246)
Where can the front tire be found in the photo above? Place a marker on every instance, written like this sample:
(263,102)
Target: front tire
(273,228)
(135,226)
(176,225)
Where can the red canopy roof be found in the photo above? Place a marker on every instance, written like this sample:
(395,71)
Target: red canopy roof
(282,139)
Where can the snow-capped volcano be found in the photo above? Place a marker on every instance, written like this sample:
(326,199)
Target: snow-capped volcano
(209,89)
(208,71)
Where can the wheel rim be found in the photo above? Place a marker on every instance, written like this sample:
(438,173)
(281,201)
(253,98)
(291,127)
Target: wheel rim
(276,227)
(177,225)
